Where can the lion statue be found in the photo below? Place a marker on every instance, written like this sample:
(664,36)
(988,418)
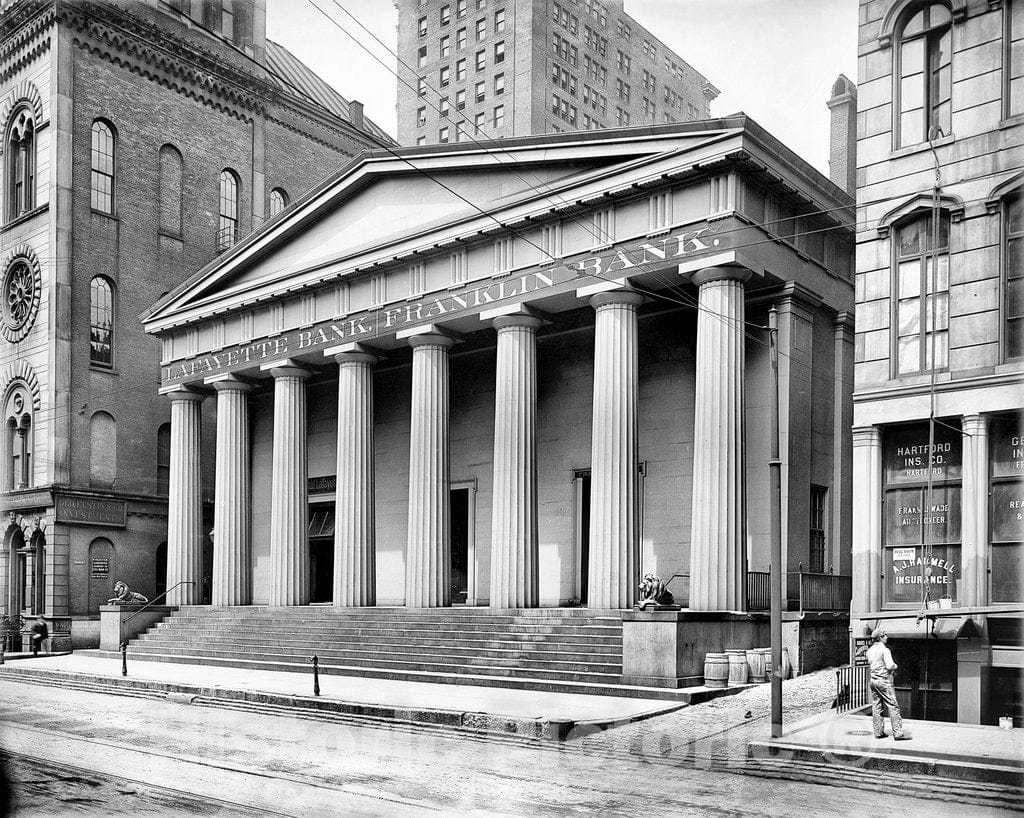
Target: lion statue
(123,595)
(653,592)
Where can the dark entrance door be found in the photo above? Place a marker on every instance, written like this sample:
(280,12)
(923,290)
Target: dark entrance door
(581,484)
(459,545)
(321,553)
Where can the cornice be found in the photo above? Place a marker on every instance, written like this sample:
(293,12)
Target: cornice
(148,51)
(24,37)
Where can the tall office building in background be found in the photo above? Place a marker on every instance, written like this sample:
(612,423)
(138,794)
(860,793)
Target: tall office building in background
(477,69)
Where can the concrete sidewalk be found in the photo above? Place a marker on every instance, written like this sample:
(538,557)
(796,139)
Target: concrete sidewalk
(962,751)
(536,714)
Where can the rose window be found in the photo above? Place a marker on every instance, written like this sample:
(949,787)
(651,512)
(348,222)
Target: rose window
(20,299)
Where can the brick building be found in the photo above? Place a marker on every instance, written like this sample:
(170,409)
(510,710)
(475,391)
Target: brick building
(497,68)
(938,553)
(139,140)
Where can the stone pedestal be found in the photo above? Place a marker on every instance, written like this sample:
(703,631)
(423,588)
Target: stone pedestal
(427,558)
(289,511)
(355,575)
(514,576)
(612,581)
(717,543)
(232,557)
(114,629)
(184,502)
(667,648)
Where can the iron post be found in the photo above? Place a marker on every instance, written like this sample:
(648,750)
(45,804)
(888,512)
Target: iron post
(775,517)
(316,675)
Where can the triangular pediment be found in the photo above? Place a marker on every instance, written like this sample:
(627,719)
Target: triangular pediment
(384,207)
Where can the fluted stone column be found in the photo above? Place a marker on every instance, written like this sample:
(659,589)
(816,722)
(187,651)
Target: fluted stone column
(355,577)
(232,544)
(184,501)
(428,559)
(974,505)
(717,542)
(514,574)
(289,509)
(867,523)
(614,532)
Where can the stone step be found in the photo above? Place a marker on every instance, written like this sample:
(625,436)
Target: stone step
(367,615)
(321,627)
(582,651)
(299,652)
(400,612)
(515,670)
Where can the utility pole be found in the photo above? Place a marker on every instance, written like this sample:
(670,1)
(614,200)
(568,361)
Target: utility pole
(775,517)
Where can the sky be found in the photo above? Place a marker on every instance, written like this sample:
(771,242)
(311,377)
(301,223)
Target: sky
(775,60)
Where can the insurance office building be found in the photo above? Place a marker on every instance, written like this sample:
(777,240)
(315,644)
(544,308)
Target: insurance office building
(517,375)
(940,322)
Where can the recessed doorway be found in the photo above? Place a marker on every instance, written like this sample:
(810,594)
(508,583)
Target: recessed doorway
(321,554)
(462,543)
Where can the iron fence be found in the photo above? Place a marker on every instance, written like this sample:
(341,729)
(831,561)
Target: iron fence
(803,592)
(852,689)
(758,591)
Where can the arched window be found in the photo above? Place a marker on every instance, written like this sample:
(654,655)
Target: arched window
(1013,263)
(21,163)
(17,443)
(102,167)
(921,289)
(101,322)
(278,201)
(1013,93)
(227,235)
(924,75)
(163,458)
(170,190)
(102,449)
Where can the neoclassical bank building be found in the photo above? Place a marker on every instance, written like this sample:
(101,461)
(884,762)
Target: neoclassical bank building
(519,374)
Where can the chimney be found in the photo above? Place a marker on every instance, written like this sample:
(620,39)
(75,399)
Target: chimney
(843,148)
(355,114)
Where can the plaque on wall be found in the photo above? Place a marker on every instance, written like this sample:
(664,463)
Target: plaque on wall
(322,485)
(91,511)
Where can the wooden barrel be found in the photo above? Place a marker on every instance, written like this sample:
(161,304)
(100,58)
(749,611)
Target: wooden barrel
(767,654)
(737,667)
(716,670)
(756,666)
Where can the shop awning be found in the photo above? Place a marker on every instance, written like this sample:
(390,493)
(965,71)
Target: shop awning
(947,627)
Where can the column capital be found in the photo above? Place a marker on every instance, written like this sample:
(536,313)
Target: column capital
(228,383)
(844,323)
(623,297)
(709,274)
(867,436)
(974,424)
(287,369)
(515,315)
(184,394)
(432,339)
(354,353)
(429,335)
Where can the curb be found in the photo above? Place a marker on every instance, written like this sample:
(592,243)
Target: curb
(544,729)
(958,769)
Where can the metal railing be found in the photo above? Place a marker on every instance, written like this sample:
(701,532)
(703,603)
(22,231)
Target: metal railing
(758,591)
(154,601)
(803,591)
(852,688)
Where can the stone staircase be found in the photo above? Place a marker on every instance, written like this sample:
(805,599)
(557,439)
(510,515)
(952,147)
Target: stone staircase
(557,649)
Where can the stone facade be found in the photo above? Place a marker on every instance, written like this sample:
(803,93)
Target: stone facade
(590,341)
(548,65)
(960,156)
(183,99)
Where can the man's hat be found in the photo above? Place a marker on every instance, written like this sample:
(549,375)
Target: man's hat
(878,633)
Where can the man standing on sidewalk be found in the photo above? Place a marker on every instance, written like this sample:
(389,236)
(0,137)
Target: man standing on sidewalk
(882,692)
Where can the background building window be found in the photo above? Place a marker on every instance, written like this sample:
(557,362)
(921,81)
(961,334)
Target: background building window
(101,322)
(816,540)
(17,442)
(102,449)
(163,458)
(102,167)
(1014,58)
(925,75)
(1013,303)
(227,233)
(278,201)
(170,190)
(919,320)
(1006,518)
(21,164)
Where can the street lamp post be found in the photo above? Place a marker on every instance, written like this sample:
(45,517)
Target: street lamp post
(775,516)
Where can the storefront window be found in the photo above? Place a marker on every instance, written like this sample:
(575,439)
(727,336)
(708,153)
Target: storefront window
(921,533)
(1006,513)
